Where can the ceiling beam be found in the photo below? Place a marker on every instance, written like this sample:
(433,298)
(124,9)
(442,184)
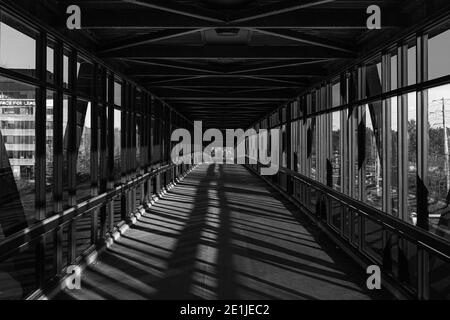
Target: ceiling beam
(206,82)
(226,52)
(165,73)
(179,91)
(150,68)
(147,39)
(179,9)
(218,87)
(304,38)
(348,18)
(225,98)
(168,68)
(283,65)
(277,9)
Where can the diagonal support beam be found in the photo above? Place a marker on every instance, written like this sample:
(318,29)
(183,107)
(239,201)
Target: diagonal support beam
(208,52)
(172,65)
(303,38)
(149,38)
(280,66)
(279,8)
(178,8)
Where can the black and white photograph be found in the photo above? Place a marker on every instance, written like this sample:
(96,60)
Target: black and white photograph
(217,159)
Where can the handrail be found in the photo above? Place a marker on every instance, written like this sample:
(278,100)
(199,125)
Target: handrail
(411,233)
(31,234)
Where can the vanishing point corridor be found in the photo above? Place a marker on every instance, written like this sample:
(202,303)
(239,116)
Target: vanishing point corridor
(222,234)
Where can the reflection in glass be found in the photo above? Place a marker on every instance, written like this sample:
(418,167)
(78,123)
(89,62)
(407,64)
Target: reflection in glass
(117,94)
(295,145)
(66,70)
(336,95)
(336,150)
(17,156)
(393,152)
(312,147)
(394,78)
(117,144)
(412,65)
(17,47)
(138,144)
(283,144)
(85,71)
(438,55)
(50,64)
(49,154)
(84,136)
(412,158)
(439,160)
(373,147)
(373,79)
(65,116)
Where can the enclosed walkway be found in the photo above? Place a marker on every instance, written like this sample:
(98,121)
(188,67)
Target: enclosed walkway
(223,234)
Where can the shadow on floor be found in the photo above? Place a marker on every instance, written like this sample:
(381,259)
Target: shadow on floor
(229,237)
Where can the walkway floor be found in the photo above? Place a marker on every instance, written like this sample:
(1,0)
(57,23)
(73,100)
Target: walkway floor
(223,234)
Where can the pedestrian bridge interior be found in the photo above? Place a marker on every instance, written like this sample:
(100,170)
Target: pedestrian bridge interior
(87,179)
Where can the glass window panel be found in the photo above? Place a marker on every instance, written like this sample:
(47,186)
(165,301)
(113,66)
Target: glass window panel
(412,65)
(84,136)
(412,158)
(312,147)
(283,137)
(336,94)
(65,116)
(336,150)
(18,275)
(295,146)
(346,222)
(373,239)
(408,264)
(138,143)
(85,71)
(83,234)
(355,226)
(394,72)
(66,70)
(439,160)
(50,63)
(336,214)
(439,279)
(438,55)
(17,47)
(117,144)
(49,154)
(117,94)
(373,79)
(373,149)
(357,123)
(17,156)
(394,156)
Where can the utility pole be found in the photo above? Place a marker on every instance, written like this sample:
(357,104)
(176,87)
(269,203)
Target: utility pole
(447,171)
(446,148)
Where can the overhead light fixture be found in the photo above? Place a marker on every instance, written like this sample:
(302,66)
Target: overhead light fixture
(227,32)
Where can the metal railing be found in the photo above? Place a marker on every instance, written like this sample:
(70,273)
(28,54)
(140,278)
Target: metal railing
(36,258)
(415,261)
